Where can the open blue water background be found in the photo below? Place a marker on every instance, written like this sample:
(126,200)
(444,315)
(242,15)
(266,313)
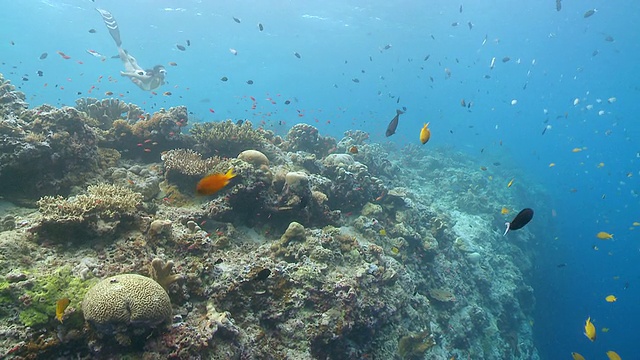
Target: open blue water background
(553,53)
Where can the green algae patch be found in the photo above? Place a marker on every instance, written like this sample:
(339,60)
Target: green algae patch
(39,301)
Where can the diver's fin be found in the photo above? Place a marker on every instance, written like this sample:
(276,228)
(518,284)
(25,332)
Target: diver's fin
(507,225)
(112,25)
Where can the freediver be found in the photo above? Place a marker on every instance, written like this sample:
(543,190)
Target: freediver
(146,79)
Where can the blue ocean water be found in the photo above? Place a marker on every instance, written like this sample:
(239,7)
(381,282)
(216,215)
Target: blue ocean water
(576,77)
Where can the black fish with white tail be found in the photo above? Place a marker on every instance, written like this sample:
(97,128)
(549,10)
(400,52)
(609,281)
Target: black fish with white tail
(519,221)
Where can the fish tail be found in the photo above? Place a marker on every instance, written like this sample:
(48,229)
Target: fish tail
(230,174)
(507,225)
(112,25)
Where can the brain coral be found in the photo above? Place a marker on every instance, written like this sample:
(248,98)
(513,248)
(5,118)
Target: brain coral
(127,299)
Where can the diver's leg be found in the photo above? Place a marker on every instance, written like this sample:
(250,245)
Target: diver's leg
(112,25)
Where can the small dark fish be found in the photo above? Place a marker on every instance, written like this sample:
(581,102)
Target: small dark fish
(295,53)
(505,59)
(487,76)
(370,58)
(609,38)
(92,31)
(355,80)
(626,285)
(260,27)
(43,56)
(496,164)
(224,78)
(589,13)
(250,82)
(404,109)
(12,42)
(460,8)
(544,130)
(181,48)
(433,37)
(561,265)
(387,47)
(79,93)
(393,125)
(236,20)
(427,57)
(115,56)
(524,87)
(24,78)
(519,221)
(558,5)
(398,101)
(595,52)
(40,73)
(262,274)
(287,102)
(188,42)
(470,24)
(454,23)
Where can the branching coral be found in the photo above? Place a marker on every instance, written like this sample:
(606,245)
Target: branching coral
(227,138)
(188,162)
(104,199)
(161,273)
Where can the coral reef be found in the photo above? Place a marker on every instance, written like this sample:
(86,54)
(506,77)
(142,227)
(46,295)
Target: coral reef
(12,102)
(106,111)
(313,251)
(45,151)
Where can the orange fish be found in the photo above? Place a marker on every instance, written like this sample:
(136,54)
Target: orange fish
(61,306)
(353,149)
(213,183)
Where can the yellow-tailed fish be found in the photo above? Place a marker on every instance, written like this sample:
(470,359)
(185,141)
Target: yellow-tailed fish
(425,134)
(577,356)
(510,183)
(611,298)
(613,355)
(552,165)
(604,235)
(589,330)
(61,306)
(635,223)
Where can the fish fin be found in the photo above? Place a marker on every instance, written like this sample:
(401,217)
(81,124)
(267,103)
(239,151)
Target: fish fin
(507,225)
(230,174)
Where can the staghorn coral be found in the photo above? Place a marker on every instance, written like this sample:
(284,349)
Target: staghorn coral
(161,273)
(106,111)
(228,139)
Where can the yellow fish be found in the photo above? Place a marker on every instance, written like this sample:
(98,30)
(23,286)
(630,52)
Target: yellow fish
(576,150)
(577,356)
(61,306)
(605,330)
(383,232)
(611,298)
(425,134)
(504,211)
(601,165)
(635,223)
(613,355)
(604,235)
(590,330)
(510,183)
(552,165)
